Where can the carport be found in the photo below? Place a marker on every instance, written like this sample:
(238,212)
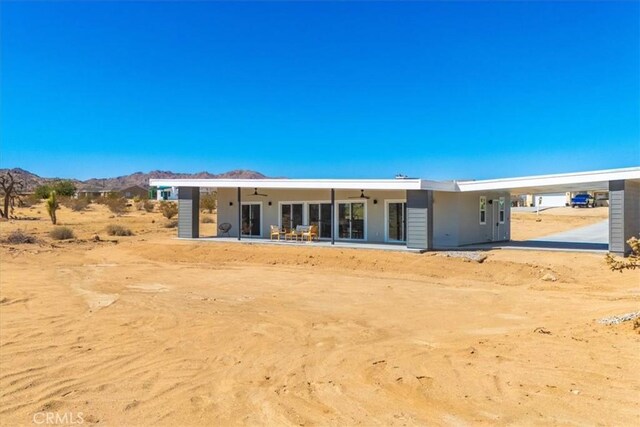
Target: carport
(623,186)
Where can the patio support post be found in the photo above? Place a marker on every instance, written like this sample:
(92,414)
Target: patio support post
(189,212)
(624,215)
(420,219)
(239,214)
(333,214)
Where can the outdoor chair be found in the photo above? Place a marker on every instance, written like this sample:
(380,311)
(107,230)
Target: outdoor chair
(275,231)
(224,228)
(310,233)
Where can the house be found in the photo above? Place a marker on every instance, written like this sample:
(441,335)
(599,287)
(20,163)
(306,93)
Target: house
(92,193)
(134,191)
(163,193)
(551,200)
(418,214)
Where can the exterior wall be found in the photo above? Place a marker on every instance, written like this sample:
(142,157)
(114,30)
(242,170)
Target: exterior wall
(419,219)
(189,212)
(375,213)
(624,215)
(456,219)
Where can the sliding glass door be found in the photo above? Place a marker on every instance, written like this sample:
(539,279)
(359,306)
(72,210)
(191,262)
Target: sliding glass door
(351,220)
(251,219)
(396,221)
(290,215)
(320,215)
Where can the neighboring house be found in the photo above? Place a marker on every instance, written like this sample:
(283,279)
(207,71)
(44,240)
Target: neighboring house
(551,200)
(92,192)
(418,214)
(134,191)
(163,193)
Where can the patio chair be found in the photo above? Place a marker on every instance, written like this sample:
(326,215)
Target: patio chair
(310,233)
(224,228)
(275,231)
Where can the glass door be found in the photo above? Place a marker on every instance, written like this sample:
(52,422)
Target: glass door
(320,216)
(290,215)
(351,219)
(396,221)
(251,221)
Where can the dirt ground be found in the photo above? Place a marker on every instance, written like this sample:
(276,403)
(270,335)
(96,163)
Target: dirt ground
(155,331)
(528,225)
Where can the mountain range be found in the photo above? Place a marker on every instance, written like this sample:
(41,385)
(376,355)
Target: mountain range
(31,180)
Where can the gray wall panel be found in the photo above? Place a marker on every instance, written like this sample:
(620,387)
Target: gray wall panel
(189,212)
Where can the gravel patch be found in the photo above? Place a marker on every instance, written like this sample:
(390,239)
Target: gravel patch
(478,257)
(615,320)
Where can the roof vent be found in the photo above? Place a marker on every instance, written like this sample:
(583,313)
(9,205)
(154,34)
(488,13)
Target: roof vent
(401,176)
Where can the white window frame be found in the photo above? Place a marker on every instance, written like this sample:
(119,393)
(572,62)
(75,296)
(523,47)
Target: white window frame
(480,210)
(246,236)
(336,220)
(386,220)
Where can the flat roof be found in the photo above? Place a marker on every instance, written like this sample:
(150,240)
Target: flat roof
(577,181)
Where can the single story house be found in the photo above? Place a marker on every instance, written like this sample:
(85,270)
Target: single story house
(92,193)
(133,191)
(417,213)
(163,192)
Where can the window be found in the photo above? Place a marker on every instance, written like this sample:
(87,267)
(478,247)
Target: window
(501,211)
(483,210)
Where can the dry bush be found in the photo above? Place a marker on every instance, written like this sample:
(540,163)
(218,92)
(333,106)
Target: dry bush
(631,262)
(118,230)
(168,209)
(117,205)
(148,205)
(19,236)
(62,233)
(171,224)
(28,201)
(208,201)
(76,205)
(207,220)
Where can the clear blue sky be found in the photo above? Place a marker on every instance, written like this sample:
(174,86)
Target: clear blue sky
(316,89)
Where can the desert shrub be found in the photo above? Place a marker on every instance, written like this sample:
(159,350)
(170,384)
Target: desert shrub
(61,233)
(207,220)
(630,263)
(43,191)
(148,205)
(117,205)
(19,236)
(78,205)
(168,209)
(118,230)
(171,224)
(208,201)
(29,201)
(52,207)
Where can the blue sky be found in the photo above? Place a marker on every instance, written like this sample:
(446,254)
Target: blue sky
(320,89)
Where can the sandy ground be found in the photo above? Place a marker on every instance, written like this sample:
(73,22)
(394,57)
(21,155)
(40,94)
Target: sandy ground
(155,331)
(528,225)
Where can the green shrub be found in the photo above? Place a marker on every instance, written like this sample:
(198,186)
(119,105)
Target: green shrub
(64,188)
(43,191)
(19,236)
(208,201)
(168,209)
(118,230)
(62,233)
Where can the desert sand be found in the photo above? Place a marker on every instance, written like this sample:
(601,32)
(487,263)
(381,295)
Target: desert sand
(155,331)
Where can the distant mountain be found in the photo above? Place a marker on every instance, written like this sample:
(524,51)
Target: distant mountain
(32,180)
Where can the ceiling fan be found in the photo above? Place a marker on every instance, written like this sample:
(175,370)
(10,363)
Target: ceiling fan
(361,196)
(255,193)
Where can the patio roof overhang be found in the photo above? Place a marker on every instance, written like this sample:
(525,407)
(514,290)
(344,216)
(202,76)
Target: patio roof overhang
(307,184)
(578,181)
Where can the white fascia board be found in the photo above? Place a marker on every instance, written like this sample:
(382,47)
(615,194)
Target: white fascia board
(557,182)
(302,184)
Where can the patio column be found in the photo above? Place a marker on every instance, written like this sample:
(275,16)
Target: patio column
(189,212)
(624,215)
(239,214)
(419,219)
(333,214)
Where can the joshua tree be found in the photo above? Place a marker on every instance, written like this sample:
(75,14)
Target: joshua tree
(52,207)
(630,263)
(10,190)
